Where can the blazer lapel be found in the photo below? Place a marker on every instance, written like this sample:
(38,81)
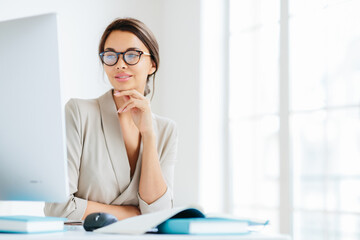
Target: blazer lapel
(114,140)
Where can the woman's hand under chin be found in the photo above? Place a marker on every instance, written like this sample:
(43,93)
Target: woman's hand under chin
(139,107)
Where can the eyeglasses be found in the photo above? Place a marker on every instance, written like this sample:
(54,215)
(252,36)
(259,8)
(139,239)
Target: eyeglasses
(131,57)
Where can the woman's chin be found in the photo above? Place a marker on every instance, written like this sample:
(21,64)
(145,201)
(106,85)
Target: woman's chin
(121,88)
(124,88)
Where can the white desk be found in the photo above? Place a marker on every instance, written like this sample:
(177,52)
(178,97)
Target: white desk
(76,233)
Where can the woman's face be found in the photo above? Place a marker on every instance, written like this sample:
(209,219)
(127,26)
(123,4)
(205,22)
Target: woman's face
(123,76)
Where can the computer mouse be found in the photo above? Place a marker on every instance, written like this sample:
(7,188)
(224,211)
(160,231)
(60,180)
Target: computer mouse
(97,220)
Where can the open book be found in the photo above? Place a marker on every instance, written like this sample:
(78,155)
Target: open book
(181,220)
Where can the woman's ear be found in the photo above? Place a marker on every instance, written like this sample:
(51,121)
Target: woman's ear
(152,69)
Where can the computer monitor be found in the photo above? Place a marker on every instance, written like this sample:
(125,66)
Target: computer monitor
(33,165)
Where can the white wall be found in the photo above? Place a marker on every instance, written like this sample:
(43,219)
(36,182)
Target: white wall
(176,25)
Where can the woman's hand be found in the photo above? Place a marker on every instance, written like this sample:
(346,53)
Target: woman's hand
(139,107)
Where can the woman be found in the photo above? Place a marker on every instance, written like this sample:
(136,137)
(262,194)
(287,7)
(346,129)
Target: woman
(121,156)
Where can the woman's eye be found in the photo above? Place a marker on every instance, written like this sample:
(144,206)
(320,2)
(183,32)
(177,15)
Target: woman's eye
(110,57)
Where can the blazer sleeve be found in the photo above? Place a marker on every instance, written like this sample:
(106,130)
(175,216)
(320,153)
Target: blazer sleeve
(74,207)
(167,158)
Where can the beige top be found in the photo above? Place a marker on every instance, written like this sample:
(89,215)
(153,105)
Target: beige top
(98,165)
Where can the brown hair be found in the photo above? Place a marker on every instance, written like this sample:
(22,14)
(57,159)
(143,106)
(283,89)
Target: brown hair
(145,35)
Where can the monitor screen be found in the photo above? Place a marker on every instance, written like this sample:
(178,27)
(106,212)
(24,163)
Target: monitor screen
(33,165)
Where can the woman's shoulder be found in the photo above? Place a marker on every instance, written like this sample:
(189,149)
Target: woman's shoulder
(167,135)
(82,105)
(89,105)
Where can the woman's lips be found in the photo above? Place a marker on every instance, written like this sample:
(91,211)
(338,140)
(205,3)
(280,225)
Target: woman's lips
(122,77)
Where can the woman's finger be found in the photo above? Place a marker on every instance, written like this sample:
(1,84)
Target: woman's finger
(134,103)
(125,105)
(133,93)
(130,106)
(139,104)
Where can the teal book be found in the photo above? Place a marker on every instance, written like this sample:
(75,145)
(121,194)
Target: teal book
(204,226)
(193,221)
(31,224)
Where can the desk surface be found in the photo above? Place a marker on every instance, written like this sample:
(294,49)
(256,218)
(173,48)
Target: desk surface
(76,233)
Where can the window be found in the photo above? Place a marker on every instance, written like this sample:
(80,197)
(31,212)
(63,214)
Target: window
(324,54)
(254,108)
(321,81)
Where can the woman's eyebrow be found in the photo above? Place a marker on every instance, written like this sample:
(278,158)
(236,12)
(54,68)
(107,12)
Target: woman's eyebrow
(109,49)
(131,48)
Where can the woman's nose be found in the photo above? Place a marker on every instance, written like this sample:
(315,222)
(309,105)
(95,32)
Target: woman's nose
(121,63)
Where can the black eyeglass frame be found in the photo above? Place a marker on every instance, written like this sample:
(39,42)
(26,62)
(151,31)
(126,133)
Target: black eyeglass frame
(123,56)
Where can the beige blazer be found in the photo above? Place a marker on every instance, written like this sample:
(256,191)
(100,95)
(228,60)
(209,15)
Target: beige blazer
(98,165)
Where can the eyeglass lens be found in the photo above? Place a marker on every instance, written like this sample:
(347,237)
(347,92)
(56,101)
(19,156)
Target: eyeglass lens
(130,57)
